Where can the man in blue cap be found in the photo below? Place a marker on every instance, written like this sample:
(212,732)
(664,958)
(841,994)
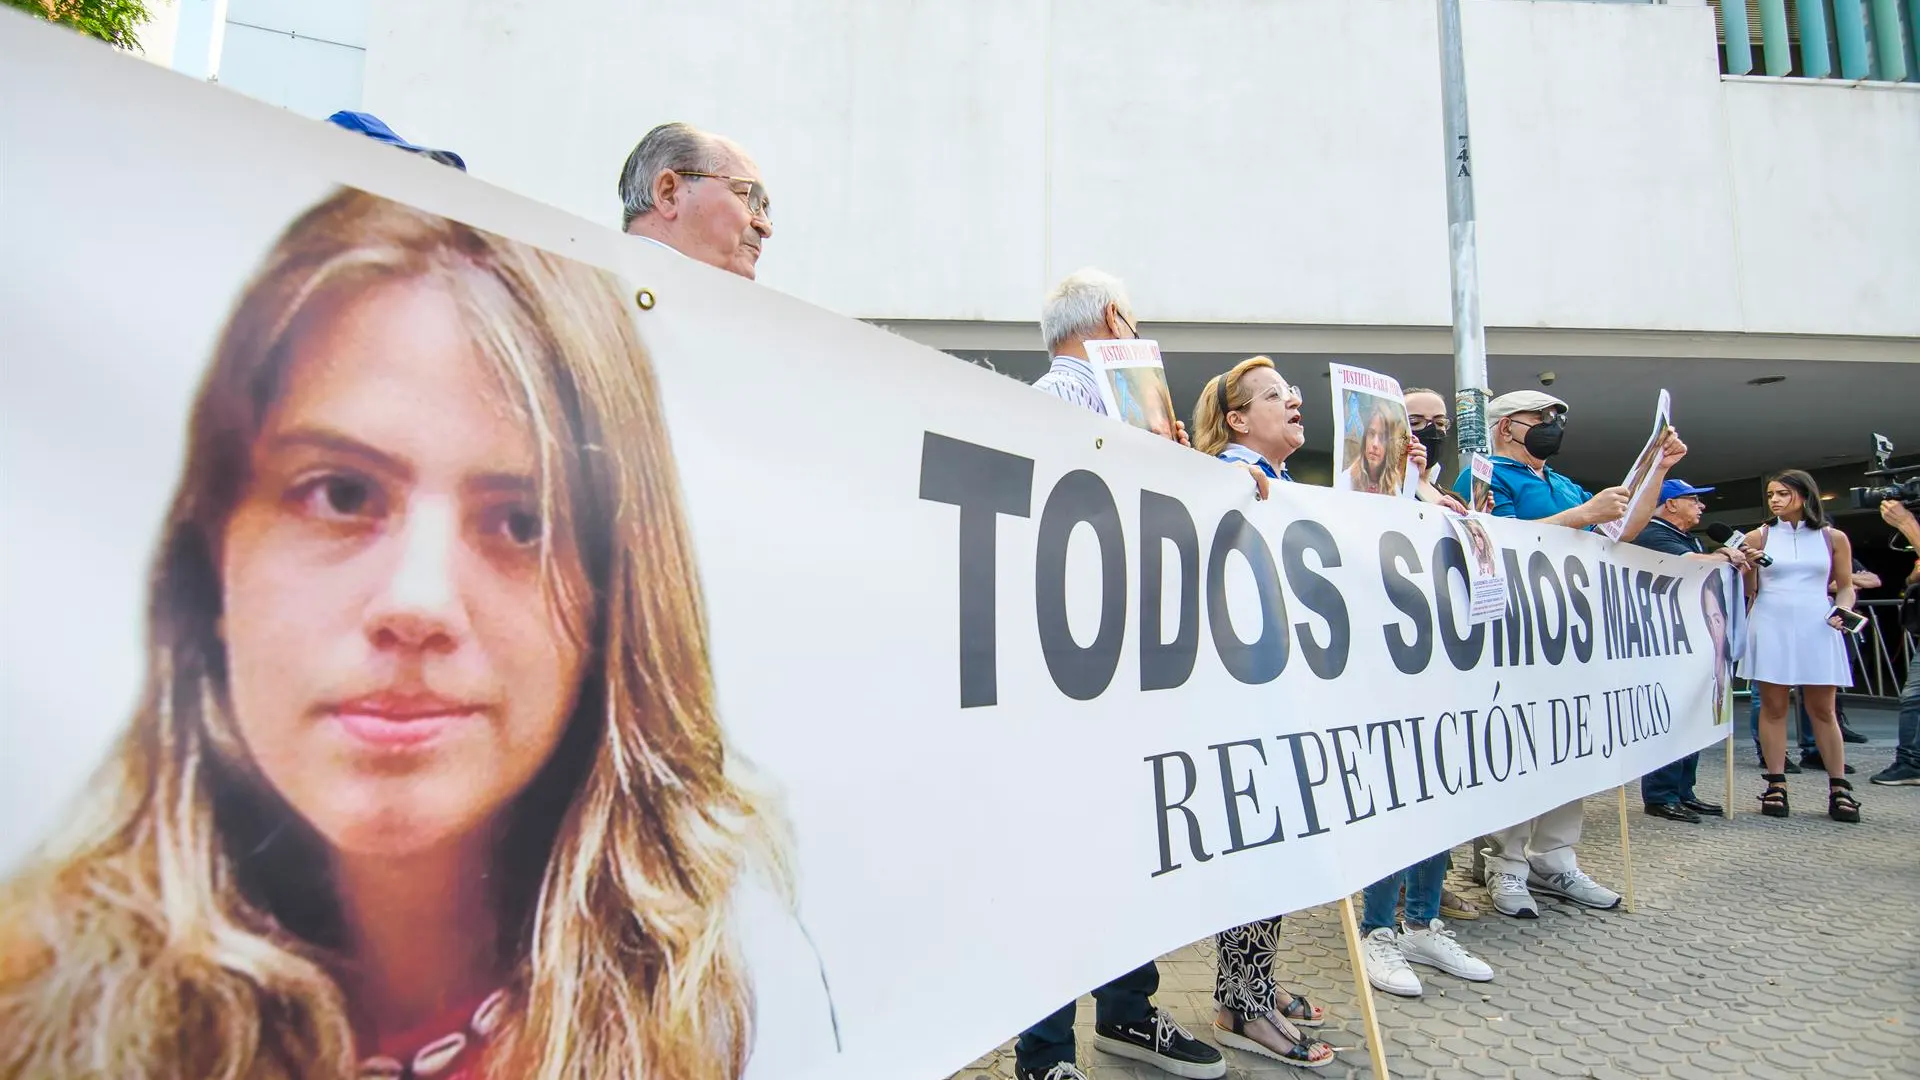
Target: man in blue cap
(1668,790)
(376,129)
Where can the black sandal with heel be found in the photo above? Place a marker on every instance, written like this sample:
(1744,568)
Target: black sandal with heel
(1841,805)
(1773,801)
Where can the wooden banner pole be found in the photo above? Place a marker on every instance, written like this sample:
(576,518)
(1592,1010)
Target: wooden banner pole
(1626,848)
(1363,990)
(1730,732)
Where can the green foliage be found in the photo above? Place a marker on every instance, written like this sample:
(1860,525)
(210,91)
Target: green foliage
(112,21)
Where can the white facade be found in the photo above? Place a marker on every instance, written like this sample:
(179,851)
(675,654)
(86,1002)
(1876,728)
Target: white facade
(1267,175)
(1240,161)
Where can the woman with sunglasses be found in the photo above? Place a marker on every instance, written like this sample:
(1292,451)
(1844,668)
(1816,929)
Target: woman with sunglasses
(1794,638)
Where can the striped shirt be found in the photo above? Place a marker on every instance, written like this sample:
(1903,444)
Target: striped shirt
(1238,452)
(1072,380)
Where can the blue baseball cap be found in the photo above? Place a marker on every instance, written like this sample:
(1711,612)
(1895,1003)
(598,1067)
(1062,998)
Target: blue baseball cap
(376,129)
(1674,489)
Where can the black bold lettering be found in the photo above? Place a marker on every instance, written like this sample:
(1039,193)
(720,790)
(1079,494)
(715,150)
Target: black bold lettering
(1449,562)
(1233,795)
(1318,595)
(1161,808)
(1080,673)
(1411,657)
(1263,659)
(1167,664)
(982,482)
(1582,638)
(1540,575)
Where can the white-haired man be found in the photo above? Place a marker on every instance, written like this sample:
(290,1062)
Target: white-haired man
(1093,306)
(1527,427)
(698,194)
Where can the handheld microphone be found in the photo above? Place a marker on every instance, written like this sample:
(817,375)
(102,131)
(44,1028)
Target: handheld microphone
(1722,533)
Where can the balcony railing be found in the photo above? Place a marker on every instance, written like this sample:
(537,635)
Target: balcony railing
(1820,39)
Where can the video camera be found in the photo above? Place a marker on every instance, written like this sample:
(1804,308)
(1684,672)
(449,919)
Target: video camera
(1903,483)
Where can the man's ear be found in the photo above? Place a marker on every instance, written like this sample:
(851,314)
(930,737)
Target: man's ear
(667,189)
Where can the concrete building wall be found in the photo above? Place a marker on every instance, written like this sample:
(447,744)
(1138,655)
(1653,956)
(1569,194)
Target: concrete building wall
(1240,161)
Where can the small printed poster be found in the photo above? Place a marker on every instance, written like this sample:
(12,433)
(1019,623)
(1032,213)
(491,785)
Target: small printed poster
(1371,436)
(1482,502)
(1639,482)
(1486,581)
(1133,383)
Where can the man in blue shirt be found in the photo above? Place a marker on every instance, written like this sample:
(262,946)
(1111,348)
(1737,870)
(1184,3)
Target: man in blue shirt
(1667,791)
(1527,427)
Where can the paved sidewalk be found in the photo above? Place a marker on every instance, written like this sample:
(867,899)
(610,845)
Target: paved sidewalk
(1760,948)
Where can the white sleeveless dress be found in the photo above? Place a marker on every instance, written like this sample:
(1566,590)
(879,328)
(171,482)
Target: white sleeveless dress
(1788,640)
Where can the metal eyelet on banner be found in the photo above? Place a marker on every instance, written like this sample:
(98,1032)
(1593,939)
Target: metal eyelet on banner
(1098,443)
(644,298)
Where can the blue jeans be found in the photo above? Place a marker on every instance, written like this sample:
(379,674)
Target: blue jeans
(1670,783)
(1423,880)
(1909,749)
(1806,724)
(1123,1001)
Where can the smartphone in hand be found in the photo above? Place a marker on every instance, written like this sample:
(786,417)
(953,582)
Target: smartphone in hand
(1851,621)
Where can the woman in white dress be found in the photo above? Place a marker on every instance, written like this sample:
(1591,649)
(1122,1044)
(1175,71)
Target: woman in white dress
(1792,641)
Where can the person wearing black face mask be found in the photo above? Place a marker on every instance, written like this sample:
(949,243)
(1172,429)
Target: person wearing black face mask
(1527,427)
(1427,417)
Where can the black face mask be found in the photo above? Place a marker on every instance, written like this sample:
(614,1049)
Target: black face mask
(1543,440)
(1433,439)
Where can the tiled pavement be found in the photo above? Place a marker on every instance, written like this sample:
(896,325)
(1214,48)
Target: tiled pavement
(1760,948)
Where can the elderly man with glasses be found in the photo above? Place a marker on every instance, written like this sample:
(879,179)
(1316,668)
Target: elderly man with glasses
(698,194)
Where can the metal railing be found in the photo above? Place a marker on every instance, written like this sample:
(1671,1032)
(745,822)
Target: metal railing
(1820,39)
(1882,652)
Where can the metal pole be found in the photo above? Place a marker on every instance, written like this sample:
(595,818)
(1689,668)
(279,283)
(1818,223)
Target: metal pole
(1469,335)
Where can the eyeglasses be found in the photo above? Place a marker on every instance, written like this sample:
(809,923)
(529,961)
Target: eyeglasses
(1421,423)
(1281,393)
(758,203)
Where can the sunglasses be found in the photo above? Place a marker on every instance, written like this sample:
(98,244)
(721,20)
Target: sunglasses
(755,196)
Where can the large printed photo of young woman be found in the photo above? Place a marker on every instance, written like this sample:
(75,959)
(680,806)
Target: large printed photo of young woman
(427,777)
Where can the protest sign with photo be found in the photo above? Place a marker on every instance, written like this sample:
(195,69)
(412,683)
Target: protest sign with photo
(1371,435)
(398,548)
(1133,383)
(1481,467)
(1640,483)
(1487,583)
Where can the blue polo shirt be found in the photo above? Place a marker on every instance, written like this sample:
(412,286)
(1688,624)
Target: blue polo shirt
(1519,492)
(1240,453)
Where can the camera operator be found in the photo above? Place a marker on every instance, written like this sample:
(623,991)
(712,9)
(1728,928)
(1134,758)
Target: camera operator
(1905,770)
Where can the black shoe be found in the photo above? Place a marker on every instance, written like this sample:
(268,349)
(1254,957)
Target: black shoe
(1790,770)
(1812,760)
(1163,1044)
(1898,774)
(1672,811)
(1850,735)
(1704,809)
(1066,1070)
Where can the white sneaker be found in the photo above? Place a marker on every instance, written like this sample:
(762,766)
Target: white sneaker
(1387,969)
(1576,886)
(1434,946)
(1510,896)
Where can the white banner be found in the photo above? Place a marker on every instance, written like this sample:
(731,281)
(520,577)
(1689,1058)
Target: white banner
(1018,697)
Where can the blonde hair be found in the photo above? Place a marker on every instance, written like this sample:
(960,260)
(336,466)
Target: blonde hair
(183,926)
(1210,431)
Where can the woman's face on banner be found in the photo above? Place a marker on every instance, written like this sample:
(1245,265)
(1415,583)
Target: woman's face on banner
(398,667)
(1374,449)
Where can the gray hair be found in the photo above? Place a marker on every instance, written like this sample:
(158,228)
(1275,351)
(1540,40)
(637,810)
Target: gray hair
(668,148)
(1077,307)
